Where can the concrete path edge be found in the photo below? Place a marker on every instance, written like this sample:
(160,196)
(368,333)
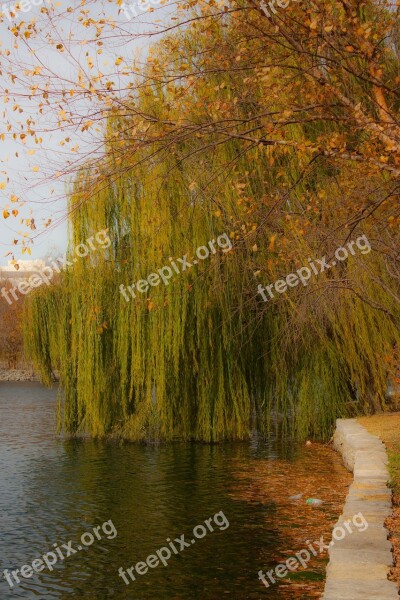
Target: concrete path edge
(359,563)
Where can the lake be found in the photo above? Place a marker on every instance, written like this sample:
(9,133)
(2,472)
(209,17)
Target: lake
(54,490)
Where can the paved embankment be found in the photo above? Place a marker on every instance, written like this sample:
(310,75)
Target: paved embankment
(17,375)
(359,564)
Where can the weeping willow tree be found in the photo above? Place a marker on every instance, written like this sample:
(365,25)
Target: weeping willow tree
(201,356)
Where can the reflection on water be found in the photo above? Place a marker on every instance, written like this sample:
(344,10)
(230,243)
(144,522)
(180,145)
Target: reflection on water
(53,490)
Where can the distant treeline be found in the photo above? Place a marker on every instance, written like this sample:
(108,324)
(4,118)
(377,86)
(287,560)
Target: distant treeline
(11,338)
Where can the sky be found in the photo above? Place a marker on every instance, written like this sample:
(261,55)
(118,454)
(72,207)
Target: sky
(28,171)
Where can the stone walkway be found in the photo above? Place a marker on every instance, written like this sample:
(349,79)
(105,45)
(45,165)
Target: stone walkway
(359,563)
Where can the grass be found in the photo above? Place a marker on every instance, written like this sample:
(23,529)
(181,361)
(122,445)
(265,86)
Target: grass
(387,428)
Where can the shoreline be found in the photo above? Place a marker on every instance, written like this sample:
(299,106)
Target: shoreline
(20,374)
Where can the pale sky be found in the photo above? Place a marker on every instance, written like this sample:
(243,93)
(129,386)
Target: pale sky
(27,170)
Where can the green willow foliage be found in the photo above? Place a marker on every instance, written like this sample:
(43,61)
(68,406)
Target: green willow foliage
(204,356)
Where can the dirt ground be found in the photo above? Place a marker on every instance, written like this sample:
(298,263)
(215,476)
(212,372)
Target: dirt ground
(387,427)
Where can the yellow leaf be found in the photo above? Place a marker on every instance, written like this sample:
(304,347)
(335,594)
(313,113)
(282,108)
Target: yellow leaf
(6,214)
(272,241)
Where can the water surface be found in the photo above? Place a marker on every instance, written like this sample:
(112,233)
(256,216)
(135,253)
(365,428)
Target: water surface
(54,490)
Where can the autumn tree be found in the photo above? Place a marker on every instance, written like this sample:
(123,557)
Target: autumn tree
(233,125)
(11,340)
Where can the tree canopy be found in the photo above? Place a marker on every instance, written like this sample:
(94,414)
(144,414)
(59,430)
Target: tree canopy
(281,131)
